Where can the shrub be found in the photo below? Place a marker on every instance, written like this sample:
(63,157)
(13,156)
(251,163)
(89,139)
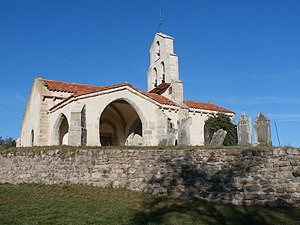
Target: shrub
(222,121)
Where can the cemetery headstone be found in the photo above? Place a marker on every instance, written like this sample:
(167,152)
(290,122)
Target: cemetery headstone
(262,130)
(244,131)
(218,138)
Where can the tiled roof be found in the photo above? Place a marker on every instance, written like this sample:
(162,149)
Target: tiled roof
(82,89)
(206,106)
(160,88)
(69,87)
(159,98)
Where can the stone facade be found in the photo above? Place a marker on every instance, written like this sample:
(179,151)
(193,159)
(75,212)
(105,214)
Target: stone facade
(241,177)
(66,113)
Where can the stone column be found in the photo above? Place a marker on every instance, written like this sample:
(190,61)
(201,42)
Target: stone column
(244,131)
(262,130)
(77,128)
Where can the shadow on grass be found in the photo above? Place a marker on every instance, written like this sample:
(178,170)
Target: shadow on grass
(186,180)
(202,212)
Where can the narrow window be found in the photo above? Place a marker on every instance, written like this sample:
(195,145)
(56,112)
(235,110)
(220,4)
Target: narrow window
(158,49)
(155,77)
(32,138)
(163,72)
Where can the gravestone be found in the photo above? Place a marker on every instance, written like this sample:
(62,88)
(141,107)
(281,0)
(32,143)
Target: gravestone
(207,134)
(218,138)
(184,127)
(244,131)
(262,130)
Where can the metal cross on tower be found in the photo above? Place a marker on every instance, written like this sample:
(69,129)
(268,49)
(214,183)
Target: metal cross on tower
(160,22)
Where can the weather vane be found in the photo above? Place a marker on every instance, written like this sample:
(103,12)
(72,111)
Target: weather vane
(160,22)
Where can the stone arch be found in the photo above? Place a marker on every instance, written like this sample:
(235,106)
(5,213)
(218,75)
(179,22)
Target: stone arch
(61,130)
(117,122)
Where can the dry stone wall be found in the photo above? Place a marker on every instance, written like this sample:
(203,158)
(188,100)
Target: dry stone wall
(242,177)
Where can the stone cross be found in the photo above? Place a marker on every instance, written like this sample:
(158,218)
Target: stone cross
(218,138)
(244,131)
(262,130)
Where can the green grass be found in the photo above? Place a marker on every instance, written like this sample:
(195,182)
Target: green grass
(78,204)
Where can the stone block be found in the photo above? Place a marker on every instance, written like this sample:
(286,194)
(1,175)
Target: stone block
(249,196)
(294,162)
(253,188)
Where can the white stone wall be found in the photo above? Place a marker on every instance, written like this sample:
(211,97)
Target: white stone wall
(31,117)
(148,111)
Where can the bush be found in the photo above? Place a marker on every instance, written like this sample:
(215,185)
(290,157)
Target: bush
(7,143)
(222,121)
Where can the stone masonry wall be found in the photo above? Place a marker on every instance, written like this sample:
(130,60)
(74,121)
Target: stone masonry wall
(241,177)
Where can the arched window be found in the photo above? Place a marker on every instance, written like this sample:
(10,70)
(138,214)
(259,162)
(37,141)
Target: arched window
(32,138)
(155,76)
(158,49)
(163,69)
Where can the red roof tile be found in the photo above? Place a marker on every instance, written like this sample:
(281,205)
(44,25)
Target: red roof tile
(160,88)
(69,87)
(82,89)
(206,106)
(159,98)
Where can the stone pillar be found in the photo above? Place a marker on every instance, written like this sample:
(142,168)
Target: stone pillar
(244,131)
(77,128)
(262,130)
(184,127)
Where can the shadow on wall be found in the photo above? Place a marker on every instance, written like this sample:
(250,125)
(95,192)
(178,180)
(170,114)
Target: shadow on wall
(228,183)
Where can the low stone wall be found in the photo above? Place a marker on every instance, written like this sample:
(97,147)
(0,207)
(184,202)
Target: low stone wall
(230,176)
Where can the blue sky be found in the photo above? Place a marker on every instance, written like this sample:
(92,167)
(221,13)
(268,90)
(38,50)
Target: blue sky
(242,55)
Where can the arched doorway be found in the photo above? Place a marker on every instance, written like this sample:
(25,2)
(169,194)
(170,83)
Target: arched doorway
(61,130)
(120,125)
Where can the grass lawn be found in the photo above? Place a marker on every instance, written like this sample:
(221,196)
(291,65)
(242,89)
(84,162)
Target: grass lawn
(78,204)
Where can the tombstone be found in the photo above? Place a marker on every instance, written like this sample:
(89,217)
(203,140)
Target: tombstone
(244,131)
(218,138)
(184,128)
(262,130)
(134,140)
(207,134)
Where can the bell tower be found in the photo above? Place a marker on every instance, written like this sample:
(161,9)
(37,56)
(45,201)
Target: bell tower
(164,68)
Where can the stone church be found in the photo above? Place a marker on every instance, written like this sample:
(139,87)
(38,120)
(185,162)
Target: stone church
(66,113)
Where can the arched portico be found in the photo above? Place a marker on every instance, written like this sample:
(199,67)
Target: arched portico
(61,130)
(120,124)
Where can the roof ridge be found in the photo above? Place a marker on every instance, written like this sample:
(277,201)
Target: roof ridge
(206,106)
(69,82)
